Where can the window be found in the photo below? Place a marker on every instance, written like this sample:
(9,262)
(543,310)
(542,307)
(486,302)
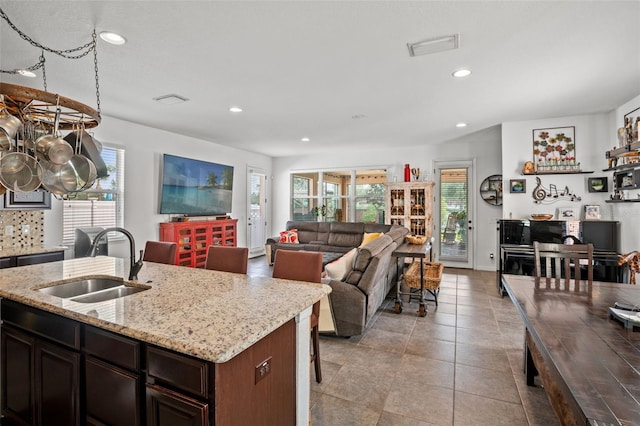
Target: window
(102,204)
(336,201)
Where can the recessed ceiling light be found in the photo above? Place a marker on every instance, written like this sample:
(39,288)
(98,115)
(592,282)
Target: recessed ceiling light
(170,99)
(461,73)
(112,38)
(305,139)
(26,73)
(235,109)
(461,125)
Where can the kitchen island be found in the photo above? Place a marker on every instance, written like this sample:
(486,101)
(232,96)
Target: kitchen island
(242,342)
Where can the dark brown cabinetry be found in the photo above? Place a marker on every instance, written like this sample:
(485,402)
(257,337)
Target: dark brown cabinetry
(112,378)
(59,371)
(40,367)
(30,259)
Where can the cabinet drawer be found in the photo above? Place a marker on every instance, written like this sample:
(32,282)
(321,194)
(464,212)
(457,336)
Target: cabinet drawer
(116,349)
(7,262)
(178,371)
(45,324)
(165,407)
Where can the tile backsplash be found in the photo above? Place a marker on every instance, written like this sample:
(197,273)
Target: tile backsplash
(21,228)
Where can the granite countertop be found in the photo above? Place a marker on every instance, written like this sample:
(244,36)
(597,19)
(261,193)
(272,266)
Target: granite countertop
(207,314)
(21,251)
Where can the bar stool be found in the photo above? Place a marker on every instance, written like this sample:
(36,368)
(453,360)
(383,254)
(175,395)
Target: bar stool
(303,266)
(160,252)
(227,259)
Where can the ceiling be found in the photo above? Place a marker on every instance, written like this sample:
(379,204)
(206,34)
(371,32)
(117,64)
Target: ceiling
(338,73)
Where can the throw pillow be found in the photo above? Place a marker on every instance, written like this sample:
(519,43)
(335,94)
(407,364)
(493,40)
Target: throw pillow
(290,236)
(370,237)
(339,268)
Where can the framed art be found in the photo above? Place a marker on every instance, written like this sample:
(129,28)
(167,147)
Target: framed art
(554,145)
(598,184)
(591,212)
(518,186)
(35,200)
(566,213)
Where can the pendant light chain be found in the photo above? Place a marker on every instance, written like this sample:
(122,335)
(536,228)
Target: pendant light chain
(67,53)
(95,65)
(64,53)
(44,71)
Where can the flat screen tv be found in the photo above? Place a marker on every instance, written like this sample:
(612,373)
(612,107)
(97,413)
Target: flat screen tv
(195,188)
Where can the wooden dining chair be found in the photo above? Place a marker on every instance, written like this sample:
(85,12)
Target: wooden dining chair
(558,262)
(227,259)
(160,252)
(303,266)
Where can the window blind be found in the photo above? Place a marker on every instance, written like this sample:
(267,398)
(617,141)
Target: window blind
(102,204)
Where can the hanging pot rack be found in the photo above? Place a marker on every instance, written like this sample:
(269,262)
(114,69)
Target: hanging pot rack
(38,106)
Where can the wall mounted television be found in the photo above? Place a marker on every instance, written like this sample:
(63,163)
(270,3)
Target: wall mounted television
(194,187)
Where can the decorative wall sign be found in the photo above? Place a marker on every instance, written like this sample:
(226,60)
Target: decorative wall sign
(542,195)
(36,200)
(554,148)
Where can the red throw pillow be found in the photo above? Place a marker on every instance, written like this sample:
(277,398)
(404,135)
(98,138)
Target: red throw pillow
(290,236)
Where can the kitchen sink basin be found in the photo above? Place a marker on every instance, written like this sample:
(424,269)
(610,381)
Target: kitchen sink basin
(112,293)
(80,287)
(91,290)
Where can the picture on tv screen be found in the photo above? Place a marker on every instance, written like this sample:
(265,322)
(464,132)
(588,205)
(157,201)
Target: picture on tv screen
(194,187)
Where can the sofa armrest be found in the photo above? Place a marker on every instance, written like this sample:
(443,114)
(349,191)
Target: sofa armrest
(273,240)
(349,305)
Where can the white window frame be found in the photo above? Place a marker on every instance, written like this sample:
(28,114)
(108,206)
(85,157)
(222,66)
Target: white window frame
(89,211)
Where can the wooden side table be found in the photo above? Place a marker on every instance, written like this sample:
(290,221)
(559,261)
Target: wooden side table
(414,251)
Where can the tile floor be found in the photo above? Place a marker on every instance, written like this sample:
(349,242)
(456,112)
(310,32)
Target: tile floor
(459,365)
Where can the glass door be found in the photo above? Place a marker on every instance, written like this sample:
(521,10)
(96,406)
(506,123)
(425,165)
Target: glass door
(257,220)
(454,245)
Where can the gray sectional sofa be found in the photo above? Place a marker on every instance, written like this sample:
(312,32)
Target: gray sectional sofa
(358,296)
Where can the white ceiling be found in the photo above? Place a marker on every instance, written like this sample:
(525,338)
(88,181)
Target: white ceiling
(307,68)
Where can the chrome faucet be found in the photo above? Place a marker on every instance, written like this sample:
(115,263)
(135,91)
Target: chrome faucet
(134,266)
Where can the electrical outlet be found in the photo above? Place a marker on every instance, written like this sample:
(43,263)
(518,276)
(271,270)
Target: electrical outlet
(8,230)
(263,369)
(26,229)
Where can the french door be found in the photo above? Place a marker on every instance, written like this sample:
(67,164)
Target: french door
(257,218)
(454,218)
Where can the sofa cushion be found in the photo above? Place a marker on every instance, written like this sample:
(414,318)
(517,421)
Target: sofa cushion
(340,267)
(368,237)
(289,236)
(364,256)
(346,234)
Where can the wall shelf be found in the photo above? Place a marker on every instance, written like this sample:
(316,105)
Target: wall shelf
(560,172)
(623,201)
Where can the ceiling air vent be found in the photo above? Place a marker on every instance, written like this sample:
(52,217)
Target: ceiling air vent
(170,99)
(434,45)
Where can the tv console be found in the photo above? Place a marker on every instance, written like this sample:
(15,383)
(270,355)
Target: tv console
(195,237)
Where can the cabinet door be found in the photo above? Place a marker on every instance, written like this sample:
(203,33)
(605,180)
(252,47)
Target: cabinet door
(18,375)
(113,395)
(57,385)
(167,408)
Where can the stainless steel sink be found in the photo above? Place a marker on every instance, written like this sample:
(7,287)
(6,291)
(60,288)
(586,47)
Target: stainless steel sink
(112,293)
(91,290)
(80,287)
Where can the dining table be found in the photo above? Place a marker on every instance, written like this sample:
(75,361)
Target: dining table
(587,358)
